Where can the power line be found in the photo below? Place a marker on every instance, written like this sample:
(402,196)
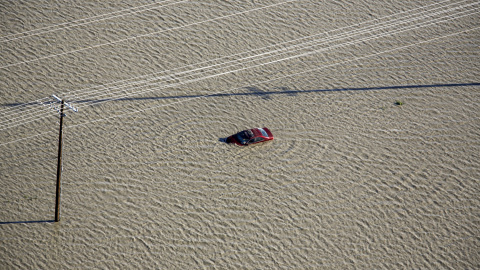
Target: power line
(308,53)
(359,32)
(282,77)
(80,22)
(416,26)
(243,53)
(140,36)
(287,50)
(70,97)
(274,61)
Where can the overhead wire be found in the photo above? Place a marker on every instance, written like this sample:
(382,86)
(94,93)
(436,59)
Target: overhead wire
(43,99)
(46,99)
(170,29)
(84,21)
(70,96)
(204,67)
(141,36)
(452,34)
(359,32)
(241,69)
(282,77)
(258,65)
(363,203)
(296,56)
(287,50)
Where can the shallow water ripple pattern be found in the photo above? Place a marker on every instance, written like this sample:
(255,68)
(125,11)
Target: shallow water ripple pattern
(375,162)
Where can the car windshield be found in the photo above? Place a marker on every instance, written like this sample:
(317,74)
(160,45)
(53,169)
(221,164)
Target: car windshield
(264,133)
(244,136)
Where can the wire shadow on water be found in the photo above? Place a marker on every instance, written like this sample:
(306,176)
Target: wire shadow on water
(254,91)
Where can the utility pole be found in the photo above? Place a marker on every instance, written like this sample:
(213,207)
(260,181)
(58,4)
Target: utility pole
(59,160)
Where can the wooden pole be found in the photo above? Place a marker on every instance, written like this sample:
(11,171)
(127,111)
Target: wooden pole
(59,166)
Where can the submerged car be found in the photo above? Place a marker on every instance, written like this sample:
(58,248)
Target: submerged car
(251,136)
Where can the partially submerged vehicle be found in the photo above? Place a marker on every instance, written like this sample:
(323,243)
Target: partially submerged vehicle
(251,136)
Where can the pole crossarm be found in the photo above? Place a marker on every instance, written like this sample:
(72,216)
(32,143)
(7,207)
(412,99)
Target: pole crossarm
(65,103)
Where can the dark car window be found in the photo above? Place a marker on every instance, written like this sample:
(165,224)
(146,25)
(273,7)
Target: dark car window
(257,139)
(243,136)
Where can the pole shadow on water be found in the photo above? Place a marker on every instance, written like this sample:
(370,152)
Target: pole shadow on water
(24,222)
(255,91)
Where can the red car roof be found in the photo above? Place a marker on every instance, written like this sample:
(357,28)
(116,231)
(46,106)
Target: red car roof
(256,132)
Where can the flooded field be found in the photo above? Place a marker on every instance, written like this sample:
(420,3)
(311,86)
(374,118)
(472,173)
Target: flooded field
(374,108)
